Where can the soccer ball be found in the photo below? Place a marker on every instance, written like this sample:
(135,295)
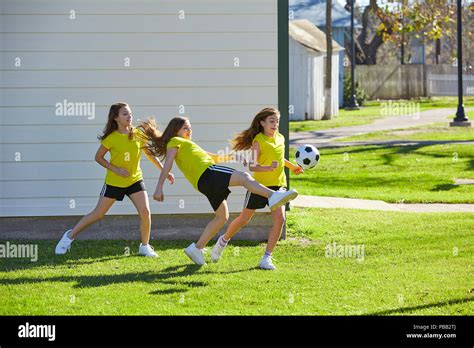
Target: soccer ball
(307,156)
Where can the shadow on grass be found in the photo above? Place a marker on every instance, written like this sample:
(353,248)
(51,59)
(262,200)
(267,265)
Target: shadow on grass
(88,252)
(167,276)
(429,305)
(444,187)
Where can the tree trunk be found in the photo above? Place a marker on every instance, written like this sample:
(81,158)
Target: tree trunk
(328,80)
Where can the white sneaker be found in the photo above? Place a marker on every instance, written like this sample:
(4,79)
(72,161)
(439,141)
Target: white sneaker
(279,198)
(266,263)
(195,254)
(147,250)
(217,251)
(64,244)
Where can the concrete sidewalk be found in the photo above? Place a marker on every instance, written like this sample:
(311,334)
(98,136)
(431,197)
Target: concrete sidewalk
(326,137)
(351,203)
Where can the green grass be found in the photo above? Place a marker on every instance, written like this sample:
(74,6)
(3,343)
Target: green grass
(373,111)
(413,264)
(434,132)
(410,174)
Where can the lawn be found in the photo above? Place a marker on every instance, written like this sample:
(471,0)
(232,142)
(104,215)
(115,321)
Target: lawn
(412,174)
(372,111)
(412,264)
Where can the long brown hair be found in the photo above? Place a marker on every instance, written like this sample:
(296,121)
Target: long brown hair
(244,140)
(112,125)
(157,141)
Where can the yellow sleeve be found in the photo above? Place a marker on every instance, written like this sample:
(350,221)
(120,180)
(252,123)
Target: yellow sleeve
(107,142)
(174,142)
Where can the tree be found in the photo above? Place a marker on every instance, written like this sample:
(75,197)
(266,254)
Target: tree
(427,20)
(328,79)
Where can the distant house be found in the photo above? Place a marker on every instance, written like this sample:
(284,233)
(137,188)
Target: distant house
(307,48)
(315,12)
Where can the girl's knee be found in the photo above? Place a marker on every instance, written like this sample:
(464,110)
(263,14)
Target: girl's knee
(243,177)
(222,217)
(97,215)
(145,214)
(279,220)
(244,220)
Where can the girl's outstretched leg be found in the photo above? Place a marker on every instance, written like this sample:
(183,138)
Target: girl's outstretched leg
(245,179)
(275,198)
(213,227)
(102,207)
(278,218)
(194,251)
(234,227)
(140,201)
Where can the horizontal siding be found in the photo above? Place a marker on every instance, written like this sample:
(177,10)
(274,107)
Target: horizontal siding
(134,79)
(48,159)
(141,8)
(51,152)
(107,42)
(92,188)
(199,114)
(72,171)
(137,24)
(143,96)
(87,134)
(140,59)
(62,206)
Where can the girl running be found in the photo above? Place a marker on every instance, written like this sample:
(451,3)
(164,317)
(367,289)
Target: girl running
(200,169)
(124,177)
(268,150)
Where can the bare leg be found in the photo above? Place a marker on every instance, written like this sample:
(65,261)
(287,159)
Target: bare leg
(278,217)
(222,215)
(103,206)
(239,222)
(140,201)
(245,180)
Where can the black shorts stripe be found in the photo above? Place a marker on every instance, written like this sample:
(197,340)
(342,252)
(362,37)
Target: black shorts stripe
(103,190)
(119,193)
(221,169)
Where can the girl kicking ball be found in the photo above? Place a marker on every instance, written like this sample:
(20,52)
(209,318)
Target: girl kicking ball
(268,149)
(200,169)
(124,177)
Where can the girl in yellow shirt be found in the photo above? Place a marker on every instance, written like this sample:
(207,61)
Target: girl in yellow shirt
(268,164)
(200,169)
(124,177)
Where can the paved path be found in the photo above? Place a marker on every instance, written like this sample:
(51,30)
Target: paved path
(366,204)
(325,138)
(389,143)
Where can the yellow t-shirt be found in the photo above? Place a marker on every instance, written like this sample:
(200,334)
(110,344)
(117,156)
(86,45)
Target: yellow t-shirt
(124,153)
(191,159)
(271,149)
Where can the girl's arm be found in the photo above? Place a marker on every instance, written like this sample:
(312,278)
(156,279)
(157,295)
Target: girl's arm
(254,166)
(157,163)
(99,158)
(293,167)
(170,155)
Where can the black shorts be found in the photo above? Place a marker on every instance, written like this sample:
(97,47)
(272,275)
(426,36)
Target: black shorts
(214,184)
(118,193)
(254,201)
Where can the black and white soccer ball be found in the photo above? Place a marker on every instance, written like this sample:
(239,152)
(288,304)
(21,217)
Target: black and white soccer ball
(307,156)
